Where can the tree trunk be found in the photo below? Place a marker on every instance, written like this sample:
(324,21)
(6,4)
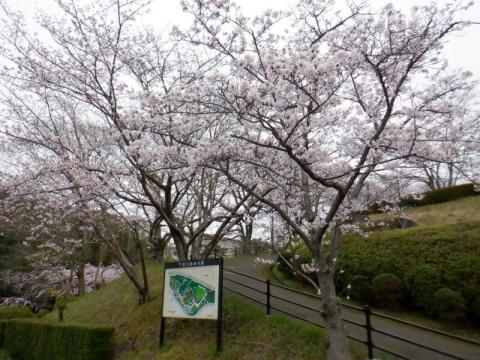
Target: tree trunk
(247,240)
(181,252)
(179,242)
(81,279)
(144,292)
(159,253)
(450,175)
(126,264)
(331,314)
(196,247)
(99,263)
(158,241)
(80,271)
(130,271)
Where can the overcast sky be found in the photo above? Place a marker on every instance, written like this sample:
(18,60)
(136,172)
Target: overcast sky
(462,51)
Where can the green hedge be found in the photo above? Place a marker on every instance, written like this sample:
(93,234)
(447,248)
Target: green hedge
(36,340)
(13,312)
(440,195)
(425,258)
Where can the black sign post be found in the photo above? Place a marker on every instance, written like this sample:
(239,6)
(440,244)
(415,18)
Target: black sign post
(220,306)
(193,264)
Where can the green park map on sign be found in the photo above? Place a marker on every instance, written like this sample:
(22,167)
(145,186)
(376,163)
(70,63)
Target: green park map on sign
(191,295)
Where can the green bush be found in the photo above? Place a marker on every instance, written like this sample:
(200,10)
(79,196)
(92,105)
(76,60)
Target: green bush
(410,201)
(449,305)
(35,340)
(471,294)
(360,289)
(13,312)
(422,282)
(387,290)
(440,195)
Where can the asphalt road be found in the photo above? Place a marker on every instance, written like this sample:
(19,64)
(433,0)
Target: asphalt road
(459,349)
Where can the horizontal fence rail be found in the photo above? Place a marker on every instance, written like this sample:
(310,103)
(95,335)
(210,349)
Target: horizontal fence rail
(264,297)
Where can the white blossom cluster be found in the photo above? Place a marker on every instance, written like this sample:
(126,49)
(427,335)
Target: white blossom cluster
(14,301)
(37,283)
(263,261)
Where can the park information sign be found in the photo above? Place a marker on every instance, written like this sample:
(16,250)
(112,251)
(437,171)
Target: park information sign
(193,290)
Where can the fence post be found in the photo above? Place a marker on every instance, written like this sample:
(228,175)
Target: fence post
(368,327)
(235,251)
(268,297)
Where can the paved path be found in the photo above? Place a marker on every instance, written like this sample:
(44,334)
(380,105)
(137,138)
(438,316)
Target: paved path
(462,350)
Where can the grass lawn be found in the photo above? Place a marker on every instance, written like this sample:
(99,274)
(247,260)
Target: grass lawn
(451,212)
(247,332)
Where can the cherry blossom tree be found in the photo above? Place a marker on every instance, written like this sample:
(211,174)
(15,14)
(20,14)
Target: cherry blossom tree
(447,145)
(244,228)
(52,157)
(62,234)
(92,118)
(211,211)
(314,110)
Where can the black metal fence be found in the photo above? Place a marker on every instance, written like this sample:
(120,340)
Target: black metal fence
(264,296)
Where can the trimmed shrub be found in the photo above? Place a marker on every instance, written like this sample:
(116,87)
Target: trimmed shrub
(387,290)
(423,281)
(471,293)
(409,202)
(449,305)
(35,340)
(449,194)
(360,289)
(13,312)
(440,195)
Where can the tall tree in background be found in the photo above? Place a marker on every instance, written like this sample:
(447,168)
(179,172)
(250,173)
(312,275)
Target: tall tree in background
(117,134)
(447,145)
